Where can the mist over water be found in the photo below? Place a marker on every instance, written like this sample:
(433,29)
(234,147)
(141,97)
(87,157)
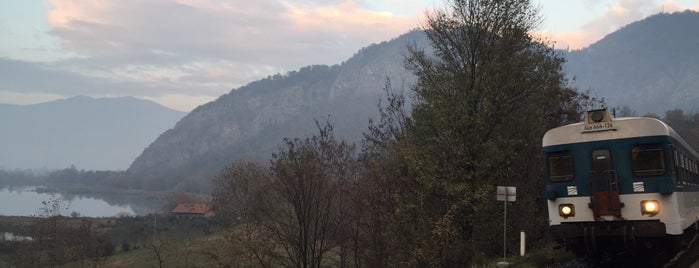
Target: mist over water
(26,201)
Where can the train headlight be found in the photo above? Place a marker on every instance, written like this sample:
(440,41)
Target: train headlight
(566,210)
(650,207)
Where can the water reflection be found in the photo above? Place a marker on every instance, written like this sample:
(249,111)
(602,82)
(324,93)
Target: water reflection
(27,201)
(6,236)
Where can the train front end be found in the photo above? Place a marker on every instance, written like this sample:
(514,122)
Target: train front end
(613,180)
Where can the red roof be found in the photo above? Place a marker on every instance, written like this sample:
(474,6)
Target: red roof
(192,208)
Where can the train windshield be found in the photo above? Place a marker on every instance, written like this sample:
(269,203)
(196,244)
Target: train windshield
(648,160)
(560,166)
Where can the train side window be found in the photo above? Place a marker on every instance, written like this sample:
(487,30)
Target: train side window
(690,169)
(560,166)
(648,160)
(676,164)
(685,168)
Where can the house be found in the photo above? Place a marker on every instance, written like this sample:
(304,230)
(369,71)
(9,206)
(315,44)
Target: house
(193,210)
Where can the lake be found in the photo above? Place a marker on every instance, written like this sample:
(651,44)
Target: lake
(26,201)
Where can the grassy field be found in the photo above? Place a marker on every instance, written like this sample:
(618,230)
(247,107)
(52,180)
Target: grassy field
(127,241)
(182,242)
(197,252)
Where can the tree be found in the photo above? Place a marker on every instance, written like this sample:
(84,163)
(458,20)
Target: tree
(485,94)
(383,148)
(295,211)
(625,111)
(239,196)
(685,125)
(306,218)
(51,233)
(237,191)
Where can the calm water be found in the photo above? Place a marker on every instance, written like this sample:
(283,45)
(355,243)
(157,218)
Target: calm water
(7,236)
(26,201)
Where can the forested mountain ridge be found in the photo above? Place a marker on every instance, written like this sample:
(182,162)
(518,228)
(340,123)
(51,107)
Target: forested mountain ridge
(250,122)
(651,65)
(97,134)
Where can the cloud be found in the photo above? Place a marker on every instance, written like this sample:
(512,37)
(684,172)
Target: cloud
(199,48)
(670,6)
(256,32)
(347,17)
(616,14)
(261,32)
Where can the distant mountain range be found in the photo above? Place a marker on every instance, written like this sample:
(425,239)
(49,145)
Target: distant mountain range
(91,134)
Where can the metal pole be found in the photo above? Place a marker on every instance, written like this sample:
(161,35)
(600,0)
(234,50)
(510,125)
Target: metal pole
(504,231)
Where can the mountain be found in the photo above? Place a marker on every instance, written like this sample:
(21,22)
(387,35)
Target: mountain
(650,65)
(250,122)
(93,134)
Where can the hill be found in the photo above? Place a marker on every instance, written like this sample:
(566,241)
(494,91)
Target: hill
(250,122)
(650,65)
(95,134)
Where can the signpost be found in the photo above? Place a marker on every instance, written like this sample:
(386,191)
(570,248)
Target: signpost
(505,194)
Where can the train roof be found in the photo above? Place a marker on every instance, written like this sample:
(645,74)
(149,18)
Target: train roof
(617,128)
(626,127)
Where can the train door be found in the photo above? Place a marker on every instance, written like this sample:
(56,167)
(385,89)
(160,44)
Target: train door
(604,185)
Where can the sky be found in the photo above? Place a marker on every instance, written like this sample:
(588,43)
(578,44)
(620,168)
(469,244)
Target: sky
(184,53)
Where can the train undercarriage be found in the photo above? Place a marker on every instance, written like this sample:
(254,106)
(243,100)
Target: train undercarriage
(622,243)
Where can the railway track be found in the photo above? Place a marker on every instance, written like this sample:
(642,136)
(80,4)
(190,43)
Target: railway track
(651,257)
(687,257)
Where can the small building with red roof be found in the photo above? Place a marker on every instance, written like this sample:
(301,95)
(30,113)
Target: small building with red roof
(193,210)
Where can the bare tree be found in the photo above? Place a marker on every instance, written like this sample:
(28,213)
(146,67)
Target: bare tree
(237,198)
(306,217)
(237,191)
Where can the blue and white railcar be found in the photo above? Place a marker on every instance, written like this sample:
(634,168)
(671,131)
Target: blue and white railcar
(619,179)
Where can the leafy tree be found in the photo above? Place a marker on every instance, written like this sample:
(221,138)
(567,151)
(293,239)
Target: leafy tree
(484,97)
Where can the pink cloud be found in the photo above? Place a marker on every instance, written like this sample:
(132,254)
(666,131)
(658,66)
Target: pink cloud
(128,27)
(65,11)
(349,18)
(207,47)
(669,6)
(566,40)
(615,16)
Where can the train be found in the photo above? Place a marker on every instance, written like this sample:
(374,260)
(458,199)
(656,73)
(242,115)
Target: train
(620,184)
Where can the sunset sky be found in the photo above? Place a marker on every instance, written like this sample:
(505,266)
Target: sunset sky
(184,53)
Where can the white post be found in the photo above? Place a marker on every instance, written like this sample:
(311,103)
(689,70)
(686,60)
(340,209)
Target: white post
(522,243)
